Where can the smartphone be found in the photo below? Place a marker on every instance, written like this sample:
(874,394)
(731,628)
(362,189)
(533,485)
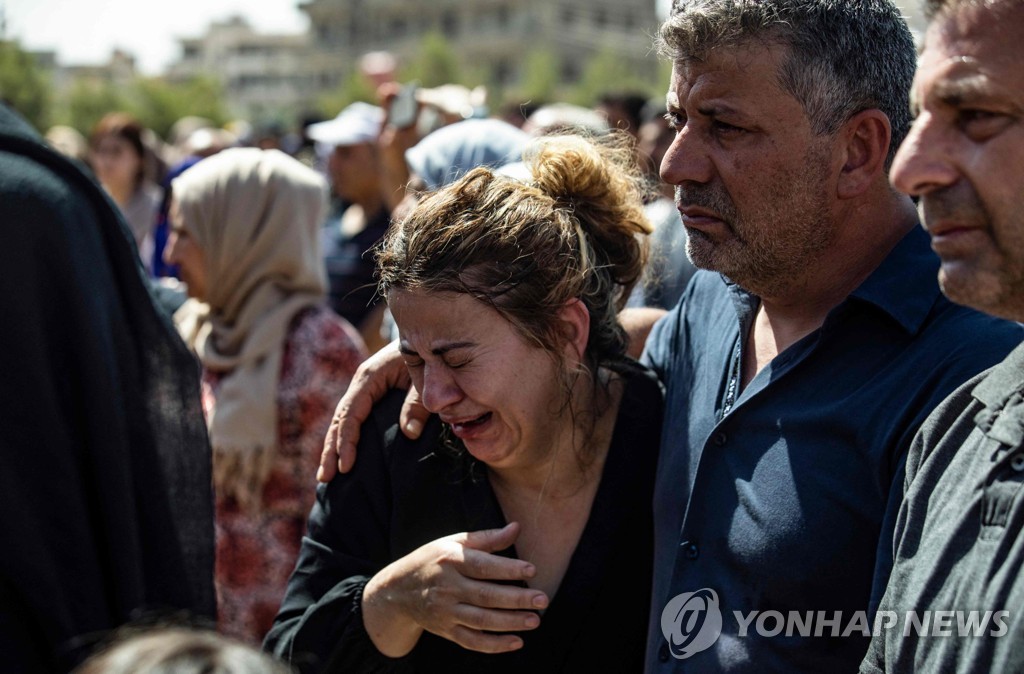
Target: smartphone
(404,107)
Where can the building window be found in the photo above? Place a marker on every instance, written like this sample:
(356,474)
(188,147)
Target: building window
(450,24)
(570,70)
(502,72)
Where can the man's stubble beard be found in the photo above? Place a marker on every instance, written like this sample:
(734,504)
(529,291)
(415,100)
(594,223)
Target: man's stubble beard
(772,245)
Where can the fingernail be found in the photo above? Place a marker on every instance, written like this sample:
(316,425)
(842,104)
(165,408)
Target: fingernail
(529,570)
(320,474)
(414,427)
(540,601)
(532,621)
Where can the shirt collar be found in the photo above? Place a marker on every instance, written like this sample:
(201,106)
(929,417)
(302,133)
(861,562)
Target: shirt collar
(1002,380)
(905,285)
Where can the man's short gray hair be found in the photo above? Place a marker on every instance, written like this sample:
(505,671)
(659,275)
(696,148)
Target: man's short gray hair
(845,56)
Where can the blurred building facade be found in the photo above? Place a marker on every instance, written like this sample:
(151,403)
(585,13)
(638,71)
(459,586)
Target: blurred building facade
(118,71)
(494,35)
(265,77)
(275,77)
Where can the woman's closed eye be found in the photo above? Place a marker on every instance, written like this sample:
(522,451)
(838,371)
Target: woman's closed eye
(413,362)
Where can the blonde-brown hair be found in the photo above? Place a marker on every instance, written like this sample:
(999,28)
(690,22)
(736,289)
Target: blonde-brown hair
(574,231)
(180,650)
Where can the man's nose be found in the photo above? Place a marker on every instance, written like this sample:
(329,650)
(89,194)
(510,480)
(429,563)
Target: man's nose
(686,159)
(924,161)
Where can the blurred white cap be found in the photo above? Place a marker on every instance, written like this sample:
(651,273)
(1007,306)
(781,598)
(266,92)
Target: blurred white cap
(358,123)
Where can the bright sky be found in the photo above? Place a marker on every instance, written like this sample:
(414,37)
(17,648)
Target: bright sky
(86,31)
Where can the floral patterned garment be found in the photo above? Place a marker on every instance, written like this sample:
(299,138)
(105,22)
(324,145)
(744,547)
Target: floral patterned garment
(256,552)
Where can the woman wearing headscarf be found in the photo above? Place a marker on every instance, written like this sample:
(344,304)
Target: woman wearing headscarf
(452,151)
(245,226)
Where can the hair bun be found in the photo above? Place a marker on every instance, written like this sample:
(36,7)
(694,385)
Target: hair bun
(600,183)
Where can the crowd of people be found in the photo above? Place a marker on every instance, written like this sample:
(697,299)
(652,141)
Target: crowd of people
(765,414)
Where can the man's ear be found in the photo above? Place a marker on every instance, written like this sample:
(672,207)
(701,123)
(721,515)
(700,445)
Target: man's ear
(867,136)
(575,318)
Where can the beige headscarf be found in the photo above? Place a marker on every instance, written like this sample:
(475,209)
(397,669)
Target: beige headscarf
(256,215)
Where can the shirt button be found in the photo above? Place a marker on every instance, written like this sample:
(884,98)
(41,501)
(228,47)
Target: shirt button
(663,653)
(692,551)
(1017,462)
(720,439)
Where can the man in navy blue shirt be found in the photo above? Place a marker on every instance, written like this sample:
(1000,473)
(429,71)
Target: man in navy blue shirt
(798,374)
(800,365)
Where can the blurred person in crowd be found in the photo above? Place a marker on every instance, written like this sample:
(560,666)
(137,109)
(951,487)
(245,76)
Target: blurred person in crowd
(356,174)
(175,650)
(431,110)
(117,155)
(668,268)
(799,366)
(245,134)
(245,235)
(207,142)
(178,136)
(623,110)
(162,230)
(378,67)
(545,436)
(959,552)
(447,154)
(271,136)
(104,459)
(557,118)
(305,152)
(517,112)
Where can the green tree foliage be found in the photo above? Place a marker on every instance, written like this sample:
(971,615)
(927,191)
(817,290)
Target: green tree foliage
(435,64)
(158,104)
(88,101)
(540,76)
(608,71)
(24,85)
(355,88)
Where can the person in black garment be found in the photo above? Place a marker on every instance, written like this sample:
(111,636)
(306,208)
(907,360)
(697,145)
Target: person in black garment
(501,538)
(104,460)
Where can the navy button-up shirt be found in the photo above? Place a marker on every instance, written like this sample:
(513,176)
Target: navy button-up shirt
(783,496)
